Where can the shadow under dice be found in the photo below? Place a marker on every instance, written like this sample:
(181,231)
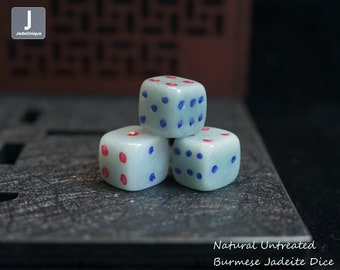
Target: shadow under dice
(133,159)
(172,107)
(206,161)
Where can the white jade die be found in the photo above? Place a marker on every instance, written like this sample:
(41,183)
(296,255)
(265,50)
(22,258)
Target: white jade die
(132,159)
(172,106)
(206,161)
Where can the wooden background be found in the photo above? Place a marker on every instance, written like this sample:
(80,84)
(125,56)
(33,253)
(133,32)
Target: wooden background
(109,46)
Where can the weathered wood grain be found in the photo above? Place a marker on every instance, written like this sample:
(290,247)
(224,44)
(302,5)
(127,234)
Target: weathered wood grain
(62,200)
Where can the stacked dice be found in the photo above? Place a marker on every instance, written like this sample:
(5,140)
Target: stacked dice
(170,107)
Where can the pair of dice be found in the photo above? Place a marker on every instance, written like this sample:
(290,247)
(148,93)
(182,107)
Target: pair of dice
(170,107)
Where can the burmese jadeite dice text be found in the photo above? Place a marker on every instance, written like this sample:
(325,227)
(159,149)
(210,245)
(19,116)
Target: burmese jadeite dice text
(206,161)
(171,106)
(132,159)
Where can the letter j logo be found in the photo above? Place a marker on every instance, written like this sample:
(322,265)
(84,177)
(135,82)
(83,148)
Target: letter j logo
(28,23)
(29,20)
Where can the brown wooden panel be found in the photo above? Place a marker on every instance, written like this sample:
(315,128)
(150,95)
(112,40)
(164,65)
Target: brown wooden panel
(112,46)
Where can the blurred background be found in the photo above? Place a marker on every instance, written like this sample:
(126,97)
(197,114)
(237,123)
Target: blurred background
(294,98)
(111,46)
(281,56)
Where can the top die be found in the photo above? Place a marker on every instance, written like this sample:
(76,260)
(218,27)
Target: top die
(171,106)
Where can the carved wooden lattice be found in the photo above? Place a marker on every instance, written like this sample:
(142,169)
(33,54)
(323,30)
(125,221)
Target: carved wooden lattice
(113,45)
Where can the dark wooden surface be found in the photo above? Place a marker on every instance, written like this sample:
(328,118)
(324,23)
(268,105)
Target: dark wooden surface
(62,203)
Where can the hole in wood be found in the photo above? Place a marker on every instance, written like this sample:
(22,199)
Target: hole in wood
(7,196)
(9,153)
(30,116)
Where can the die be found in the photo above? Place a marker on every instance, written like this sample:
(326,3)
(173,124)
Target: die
(172,106)
(132,159)
(207,160)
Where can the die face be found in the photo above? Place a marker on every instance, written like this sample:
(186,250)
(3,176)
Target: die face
(171,106)
(206,161)
(132,159)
